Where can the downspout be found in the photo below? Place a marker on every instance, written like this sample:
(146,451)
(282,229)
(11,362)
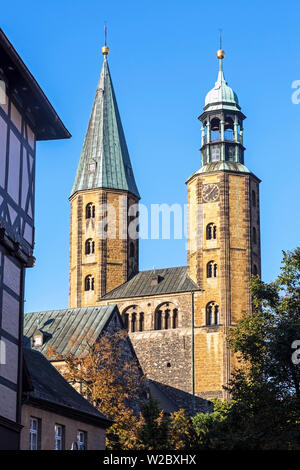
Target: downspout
(193,356)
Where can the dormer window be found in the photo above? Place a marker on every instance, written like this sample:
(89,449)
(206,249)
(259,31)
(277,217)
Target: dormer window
(38,341)
(156,279)
(92,167)
(38,338)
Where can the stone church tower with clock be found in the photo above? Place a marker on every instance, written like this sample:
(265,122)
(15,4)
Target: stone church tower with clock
(177,318)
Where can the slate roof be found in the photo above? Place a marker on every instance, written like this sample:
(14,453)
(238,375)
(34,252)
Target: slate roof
(172,280)
(68,329)
(50,386)
(105,146)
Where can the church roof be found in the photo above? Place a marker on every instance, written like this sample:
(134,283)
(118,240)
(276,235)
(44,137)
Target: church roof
(153,282)
(47,385)
(66,330)
(104,160)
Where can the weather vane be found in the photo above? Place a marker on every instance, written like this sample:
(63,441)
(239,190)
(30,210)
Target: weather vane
(105,48)
(220,52)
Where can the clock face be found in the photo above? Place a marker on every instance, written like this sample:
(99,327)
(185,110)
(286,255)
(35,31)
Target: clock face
(210,193)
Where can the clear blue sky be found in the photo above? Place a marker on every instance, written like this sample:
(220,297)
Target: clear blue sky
(163,63)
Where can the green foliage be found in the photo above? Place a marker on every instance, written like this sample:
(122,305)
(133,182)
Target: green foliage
(265,409)
(182,434)
(161,432)
(153,433)
(265,389)
(207,426)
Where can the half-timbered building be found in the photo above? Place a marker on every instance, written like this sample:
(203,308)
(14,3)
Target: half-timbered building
(26,116)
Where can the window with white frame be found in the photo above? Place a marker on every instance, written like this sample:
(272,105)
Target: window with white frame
(34,434)
(81,440)
(59,436)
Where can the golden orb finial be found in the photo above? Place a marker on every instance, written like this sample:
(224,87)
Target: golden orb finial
(220,54)
(105,50)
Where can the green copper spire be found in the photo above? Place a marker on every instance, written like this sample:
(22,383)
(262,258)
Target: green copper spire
(104,160)
(221,96)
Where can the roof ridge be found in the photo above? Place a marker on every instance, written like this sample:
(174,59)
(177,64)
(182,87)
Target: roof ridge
(59,310)
(175,280)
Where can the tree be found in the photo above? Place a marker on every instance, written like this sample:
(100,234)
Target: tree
(162,432)
(154,427)
(181,431)
(207,426)
(106,375)
(265,389)
(264,412)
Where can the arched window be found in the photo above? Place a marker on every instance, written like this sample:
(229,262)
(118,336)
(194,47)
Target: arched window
(253,199)
(211,269)
(175,318)
(89,283)
(212,314)
(228,123)
(158,320)
(133,322)
(167,319)
(209,314)
(131,256)
(89,246)
(141,322)
(254,235)
(166,316)
(215,270)
(228,128)
(90,211)
(125,318)
(211,232)
(215,129)
(216,315)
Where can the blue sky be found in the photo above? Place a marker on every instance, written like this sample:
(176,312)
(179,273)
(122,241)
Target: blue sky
(162,63)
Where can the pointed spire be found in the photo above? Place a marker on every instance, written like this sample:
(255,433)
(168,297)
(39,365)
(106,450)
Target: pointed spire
(104,160)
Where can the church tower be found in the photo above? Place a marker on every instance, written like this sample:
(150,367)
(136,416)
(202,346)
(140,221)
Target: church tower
(104,201)
(224,234)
